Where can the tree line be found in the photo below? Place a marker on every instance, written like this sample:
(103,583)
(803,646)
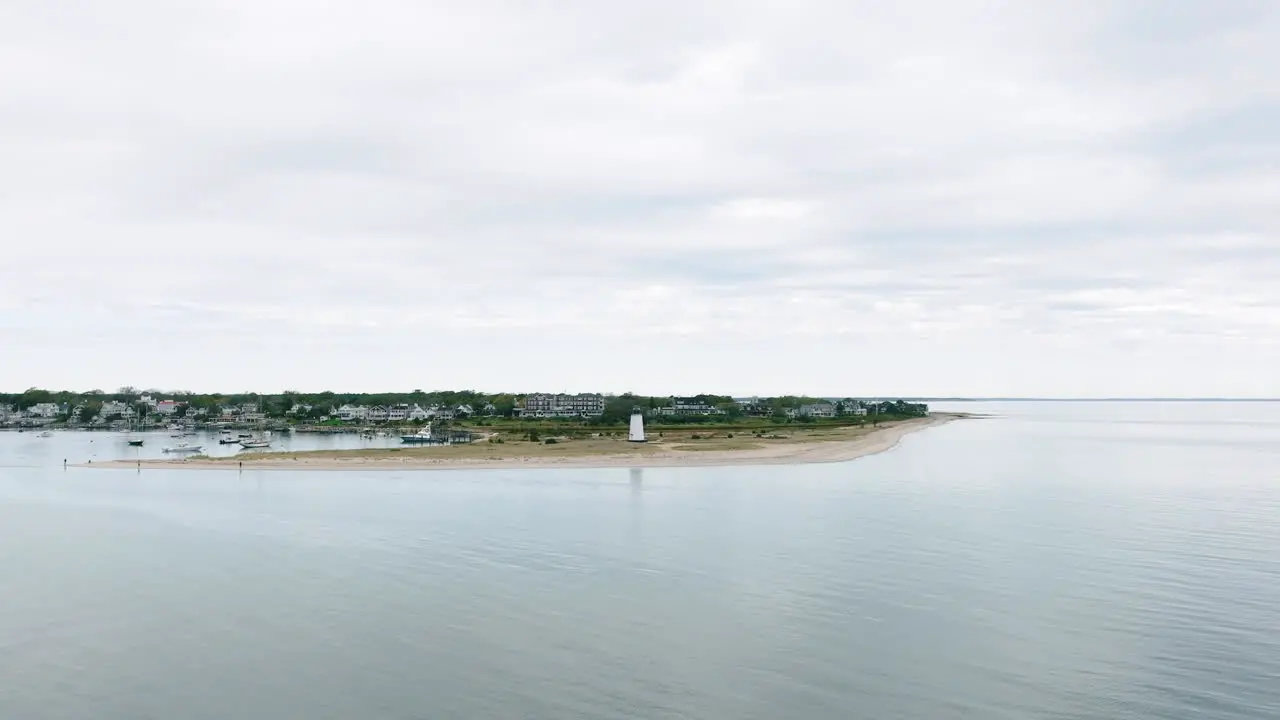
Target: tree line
(618,408)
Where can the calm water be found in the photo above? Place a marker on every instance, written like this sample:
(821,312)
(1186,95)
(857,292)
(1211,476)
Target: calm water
(1060,561)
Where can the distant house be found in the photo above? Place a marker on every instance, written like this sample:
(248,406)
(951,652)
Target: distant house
(398,413)
(114,408)
(562,405)
(417,414)
(44,411)
(688,406)
(464,410)
(168,407)
(489,410)
(754,407)
(852,407)
(817,410)
(349,413)
(442,413)
(377,413)
(298,409)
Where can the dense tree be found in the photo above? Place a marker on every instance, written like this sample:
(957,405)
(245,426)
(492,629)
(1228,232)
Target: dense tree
(617,408)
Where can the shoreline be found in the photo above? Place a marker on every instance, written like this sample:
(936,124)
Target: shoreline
(786,451)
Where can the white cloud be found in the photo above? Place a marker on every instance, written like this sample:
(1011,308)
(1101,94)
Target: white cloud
(928,197)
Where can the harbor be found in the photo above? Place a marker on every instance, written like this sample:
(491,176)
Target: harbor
(96,446)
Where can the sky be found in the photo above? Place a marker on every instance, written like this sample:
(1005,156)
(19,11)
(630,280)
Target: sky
(1066,198)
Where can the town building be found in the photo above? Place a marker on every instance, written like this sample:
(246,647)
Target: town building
(349,413)
(562,405)
(44,411)
(168,407)
(851,407)
(817,410)
(688,406)
(115,408)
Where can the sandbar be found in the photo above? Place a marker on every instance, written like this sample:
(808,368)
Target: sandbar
(785,446)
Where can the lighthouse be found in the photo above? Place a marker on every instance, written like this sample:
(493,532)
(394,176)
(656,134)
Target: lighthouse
(637,427)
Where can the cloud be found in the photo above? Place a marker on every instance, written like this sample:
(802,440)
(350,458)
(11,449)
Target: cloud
(982,185)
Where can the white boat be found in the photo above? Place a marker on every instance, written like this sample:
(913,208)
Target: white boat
(228,438)
(257,441)
(184,448)
(418,438)
(47,433)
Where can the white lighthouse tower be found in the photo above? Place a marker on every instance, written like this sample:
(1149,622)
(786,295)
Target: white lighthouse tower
(637,427)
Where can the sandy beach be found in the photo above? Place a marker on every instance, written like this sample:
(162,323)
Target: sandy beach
(788,447)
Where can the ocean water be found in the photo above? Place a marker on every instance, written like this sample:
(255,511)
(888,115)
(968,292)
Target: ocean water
(1057,560)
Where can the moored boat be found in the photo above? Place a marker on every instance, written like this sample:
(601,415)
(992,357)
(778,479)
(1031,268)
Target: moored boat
(421,437)
(182,448)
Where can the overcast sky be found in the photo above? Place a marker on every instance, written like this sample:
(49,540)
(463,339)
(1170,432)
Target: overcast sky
(941,197)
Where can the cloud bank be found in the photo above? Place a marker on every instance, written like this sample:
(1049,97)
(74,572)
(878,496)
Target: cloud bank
(949,198)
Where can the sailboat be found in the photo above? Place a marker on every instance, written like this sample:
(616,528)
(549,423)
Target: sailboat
(259,441)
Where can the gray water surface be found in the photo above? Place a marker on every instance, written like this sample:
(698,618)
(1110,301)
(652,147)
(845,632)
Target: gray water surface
(1062,560)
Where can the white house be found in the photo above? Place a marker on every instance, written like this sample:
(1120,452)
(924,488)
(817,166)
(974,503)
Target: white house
(852,407)
(348,413)
(417,414)
(168,407)
(377,414)
(112,408)
(46,411)
(397,413)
